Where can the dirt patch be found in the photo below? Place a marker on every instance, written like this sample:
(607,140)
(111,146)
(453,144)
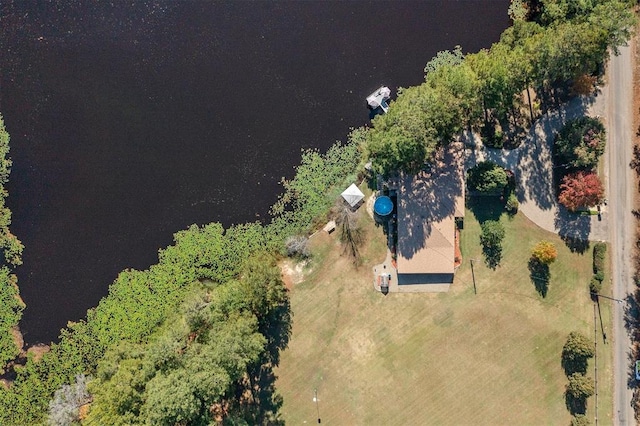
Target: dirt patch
(292,272)
(18,340)
(38,351)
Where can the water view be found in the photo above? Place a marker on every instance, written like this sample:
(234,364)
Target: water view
(132,121)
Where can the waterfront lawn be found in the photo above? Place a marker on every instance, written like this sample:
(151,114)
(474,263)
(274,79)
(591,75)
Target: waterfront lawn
(439,359)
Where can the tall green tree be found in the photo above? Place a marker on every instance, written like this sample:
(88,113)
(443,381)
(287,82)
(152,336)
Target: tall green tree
(576,352)
(491,239)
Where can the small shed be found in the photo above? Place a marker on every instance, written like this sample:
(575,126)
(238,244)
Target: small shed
(352,195)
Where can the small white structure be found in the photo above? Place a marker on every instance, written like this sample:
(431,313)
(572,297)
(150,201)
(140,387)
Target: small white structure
(379,98)
(330,227)
(353,195)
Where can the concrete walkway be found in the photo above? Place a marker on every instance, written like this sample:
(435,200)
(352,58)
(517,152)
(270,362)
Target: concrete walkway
(533,168)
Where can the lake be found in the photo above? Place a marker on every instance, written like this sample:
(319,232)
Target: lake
(131,121)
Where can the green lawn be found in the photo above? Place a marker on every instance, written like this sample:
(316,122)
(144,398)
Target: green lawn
(439,359)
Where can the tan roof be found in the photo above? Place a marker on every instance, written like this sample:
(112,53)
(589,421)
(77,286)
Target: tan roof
(428,204)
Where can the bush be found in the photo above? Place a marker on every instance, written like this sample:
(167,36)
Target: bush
(487,177)
(599,276)
(512,204)
(297,246)
(599,253)
(580,420)
(595,285)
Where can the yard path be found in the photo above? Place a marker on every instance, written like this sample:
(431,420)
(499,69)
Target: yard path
(533,168)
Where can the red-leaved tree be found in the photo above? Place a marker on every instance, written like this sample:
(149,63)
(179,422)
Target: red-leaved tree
(581,189)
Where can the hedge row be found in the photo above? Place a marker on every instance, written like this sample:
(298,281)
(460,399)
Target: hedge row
(599,253)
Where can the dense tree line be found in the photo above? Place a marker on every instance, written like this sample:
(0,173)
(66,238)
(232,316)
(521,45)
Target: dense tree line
(563,41)
(11,306)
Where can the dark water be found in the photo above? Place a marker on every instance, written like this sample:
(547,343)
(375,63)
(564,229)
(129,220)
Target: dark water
(132,120)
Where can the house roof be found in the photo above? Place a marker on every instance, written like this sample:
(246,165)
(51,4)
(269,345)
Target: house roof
(428,204)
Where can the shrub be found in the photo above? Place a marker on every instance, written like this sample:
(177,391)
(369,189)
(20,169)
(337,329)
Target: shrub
(580,420)
(599,276)
(595,285)
(512,204)
(580,386)
(545,252)
(487,177)
(599,253)
(297,246)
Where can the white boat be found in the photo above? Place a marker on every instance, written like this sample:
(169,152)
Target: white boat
(379,98)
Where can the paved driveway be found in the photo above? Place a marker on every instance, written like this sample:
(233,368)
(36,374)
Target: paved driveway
(533,168)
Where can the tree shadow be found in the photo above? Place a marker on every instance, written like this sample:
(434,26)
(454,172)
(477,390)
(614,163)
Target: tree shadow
(257,402)
(574,365)
(432,196)
(576,245)
(486,207)
(535,165)
(632,324)
(575,405)
(573,229)
(539,274)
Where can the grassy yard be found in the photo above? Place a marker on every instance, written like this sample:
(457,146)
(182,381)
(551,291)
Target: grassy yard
(439,359)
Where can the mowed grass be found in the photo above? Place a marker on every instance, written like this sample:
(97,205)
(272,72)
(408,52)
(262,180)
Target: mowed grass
(454,358)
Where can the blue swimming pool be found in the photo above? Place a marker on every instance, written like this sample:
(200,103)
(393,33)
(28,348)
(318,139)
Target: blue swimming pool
(383,205)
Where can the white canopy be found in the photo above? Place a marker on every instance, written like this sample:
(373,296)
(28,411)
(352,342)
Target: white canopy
(352,195)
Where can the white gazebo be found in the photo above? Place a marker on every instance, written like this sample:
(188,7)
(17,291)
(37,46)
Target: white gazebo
(352,195)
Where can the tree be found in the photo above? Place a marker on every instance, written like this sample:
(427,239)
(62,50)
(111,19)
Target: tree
(545,252)
(518,10)
(487,177)
(491,240)
(581,143)
(64,408)
(444,58)
(576,352)
(580,387)
(580,420)
(580,190)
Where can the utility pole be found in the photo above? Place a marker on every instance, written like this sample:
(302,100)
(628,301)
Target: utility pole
(473,276)
(315,399)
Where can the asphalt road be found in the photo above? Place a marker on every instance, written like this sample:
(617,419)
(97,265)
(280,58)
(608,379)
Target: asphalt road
(621,226)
